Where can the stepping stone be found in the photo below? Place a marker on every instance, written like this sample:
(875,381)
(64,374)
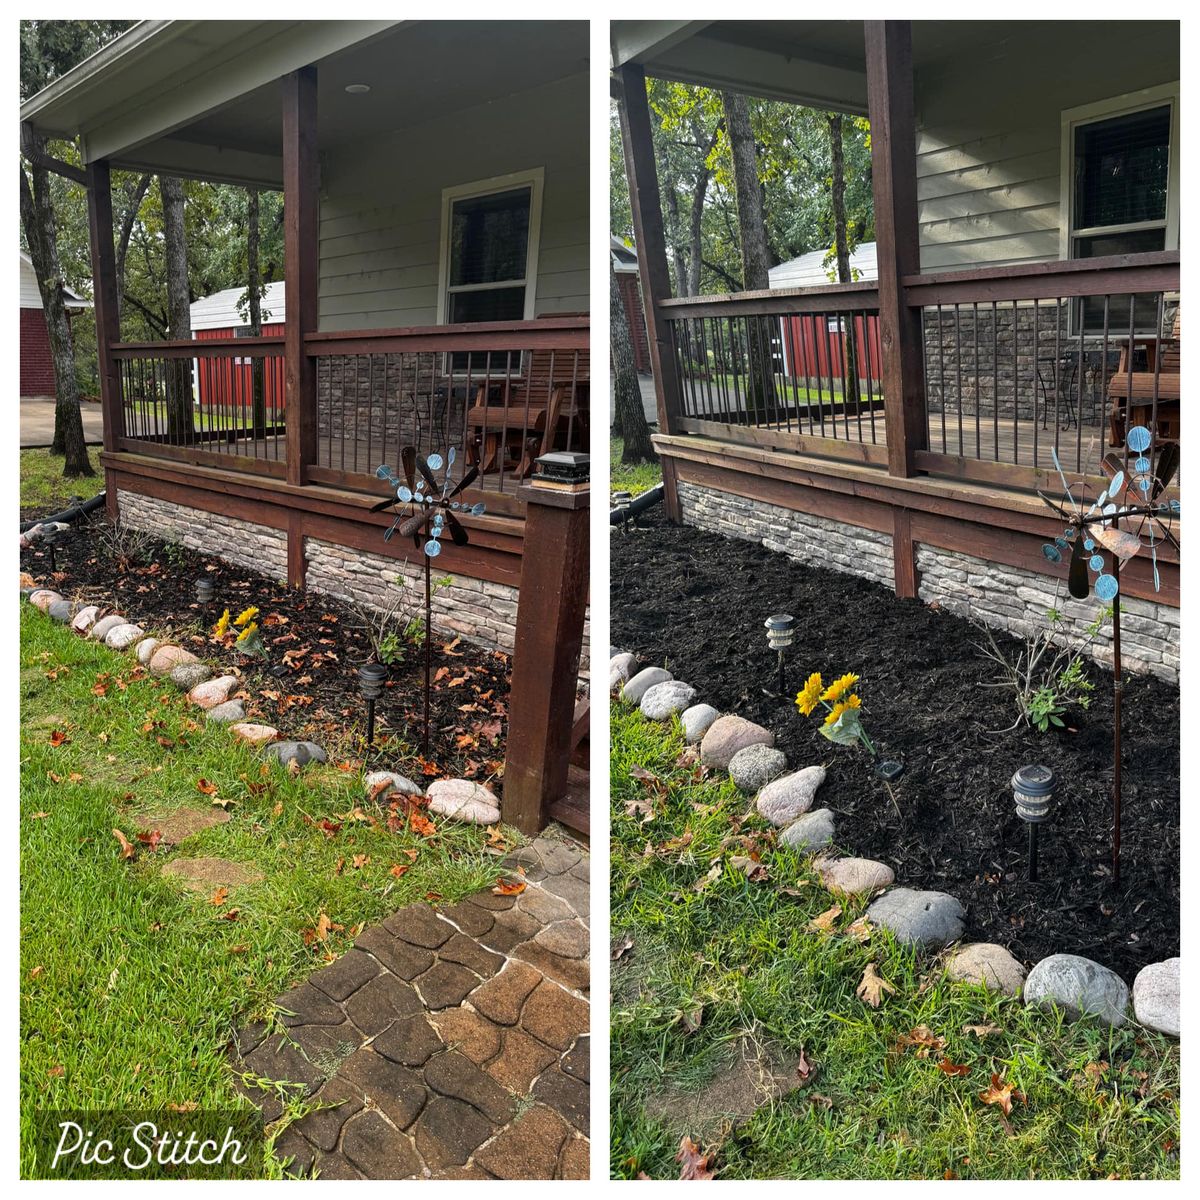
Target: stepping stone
(145,650)
(620,670)
(929,919)
(463,800)
(568,939)
(1078,986)
(502,997)
(85,618)
(729,734)
(988,964)
(809,832)
(396,783)
(123,636)
(636,687)
(102,628)
(300,753)
(43,598)
(528,1148)
(755,766)
(212,692)
(230,711)
(60,610)
(187,675)
(696,721)
(408,1041)
(181,823)
(663,700)
(207,874)
(166,658)
(454,1075)
(854,876)
(256,735)
(345,976)
(554,1016)
(1156,996)
(783,800)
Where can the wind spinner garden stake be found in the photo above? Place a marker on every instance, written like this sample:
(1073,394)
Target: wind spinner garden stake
(430,512)
(1130,514)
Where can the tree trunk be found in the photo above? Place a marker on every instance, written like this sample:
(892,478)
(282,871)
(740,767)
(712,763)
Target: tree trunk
(851,394)
(127,223)
(180,426)
(41,235)
(683,285)
(254,287)
(630,416)
(756,261)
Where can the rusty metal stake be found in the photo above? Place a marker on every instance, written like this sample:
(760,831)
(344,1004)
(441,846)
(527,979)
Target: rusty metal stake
(1118,689)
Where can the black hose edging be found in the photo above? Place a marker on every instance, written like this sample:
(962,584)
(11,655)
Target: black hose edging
(69,515)
(639,505)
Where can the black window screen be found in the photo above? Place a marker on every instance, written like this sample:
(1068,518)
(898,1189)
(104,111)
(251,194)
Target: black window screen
(489,238)
(1121,169)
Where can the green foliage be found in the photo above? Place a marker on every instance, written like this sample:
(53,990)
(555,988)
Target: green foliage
(43,487)
(634,479)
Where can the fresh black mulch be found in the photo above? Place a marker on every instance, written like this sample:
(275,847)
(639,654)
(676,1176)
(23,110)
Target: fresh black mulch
(696,602)
(319,641)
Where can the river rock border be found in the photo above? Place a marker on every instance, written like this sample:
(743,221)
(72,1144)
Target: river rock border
(928,921)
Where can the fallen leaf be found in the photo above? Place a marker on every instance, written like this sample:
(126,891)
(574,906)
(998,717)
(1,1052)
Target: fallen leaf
(150,839)
(58,738)
(127,848)
(693,1164)
(419,823)
(219,896)
(691,1021)
(858,931)
(982,1031)
(57,1072)
(621,947)
(1001,1093)
(825,922)
(398,869)
(36,972)
(509,887)
(923,1038)
(208,789)
(953,1068)
(231,915)
(872,986)
(37,816)
(806,1069)
(359,861)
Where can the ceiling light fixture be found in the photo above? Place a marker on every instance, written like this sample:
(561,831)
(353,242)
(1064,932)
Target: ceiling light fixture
(358,89)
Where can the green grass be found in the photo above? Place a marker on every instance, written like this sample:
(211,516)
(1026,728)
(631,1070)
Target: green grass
(43,486)
(635,479)
(130,987)
(743,951)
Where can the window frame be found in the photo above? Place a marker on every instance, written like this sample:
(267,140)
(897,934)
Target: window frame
(534,179)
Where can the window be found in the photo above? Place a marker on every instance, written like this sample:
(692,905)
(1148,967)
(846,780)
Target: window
(1120,190)
(489,254)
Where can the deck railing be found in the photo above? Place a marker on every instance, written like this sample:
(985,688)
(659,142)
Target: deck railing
(500,393)
(1018,362)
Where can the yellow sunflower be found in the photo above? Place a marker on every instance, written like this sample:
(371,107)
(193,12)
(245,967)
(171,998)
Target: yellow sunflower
(842,706)
(807,698)
(222,626)
(247,633)
(838,688)
(246,615)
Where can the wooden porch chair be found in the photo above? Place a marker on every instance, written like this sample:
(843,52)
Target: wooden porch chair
(1136,389)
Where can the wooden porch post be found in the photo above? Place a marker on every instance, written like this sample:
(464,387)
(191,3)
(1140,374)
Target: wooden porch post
(638,144)
(108,331)
(894,178)
(301,204)
(550,616)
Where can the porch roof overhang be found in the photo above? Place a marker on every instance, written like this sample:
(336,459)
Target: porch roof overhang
(201,99)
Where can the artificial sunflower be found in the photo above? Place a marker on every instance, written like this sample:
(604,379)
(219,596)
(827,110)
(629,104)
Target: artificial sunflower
(810,695)
(222,626)
(838,688)
(841,707)
(247,633)
(246,615)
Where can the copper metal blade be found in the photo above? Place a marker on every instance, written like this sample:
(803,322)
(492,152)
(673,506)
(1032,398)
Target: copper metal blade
(458,535)
(426,473)
(465,482)
(1077,576)
(408,460)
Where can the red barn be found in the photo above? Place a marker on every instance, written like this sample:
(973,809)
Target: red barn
(37,365)
(228,382)
(625,267)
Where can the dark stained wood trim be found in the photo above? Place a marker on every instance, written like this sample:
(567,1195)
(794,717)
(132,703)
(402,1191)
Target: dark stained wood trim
(241,463)
(897,235)
(498,504)
(301,254)
(260,347)
(670,491)
(781,439)
(841,297)
(904,554)
(111,509)
(297,561)
(104,296)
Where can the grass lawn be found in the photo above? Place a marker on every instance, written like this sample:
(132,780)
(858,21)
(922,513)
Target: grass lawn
(43,487)
(633,479)
(130,987)
(710,977)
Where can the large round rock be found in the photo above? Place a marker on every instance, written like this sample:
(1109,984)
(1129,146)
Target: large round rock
(231,712)
(929,919)
(60,610)
(105,626)
(696,722)
(988,964)
(85,618)
(620,670)
(665,699)
(1156,996)
(123,636)
(809,832)
(729,734)
(300,753)
(145,650)
(1080,987)
(212,692)
(166,658)
(755,767)
(633,691)
(782,801)
(463,800)
(854,876)
(43,598)
(395,783)
(187,675)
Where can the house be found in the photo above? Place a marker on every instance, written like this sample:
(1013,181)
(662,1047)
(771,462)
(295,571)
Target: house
(225,315)
(37,364)
(436,287)
(1024,308)
(624,266)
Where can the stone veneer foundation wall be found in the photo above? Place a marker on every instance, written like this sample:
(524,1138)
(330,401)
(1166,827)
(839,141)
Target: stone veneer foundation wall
(1004,597)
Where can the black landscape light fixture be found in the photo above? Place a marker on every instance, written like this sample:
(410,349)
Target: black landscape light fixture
(1033,790)
(52,537)
(781,633)
(621,502)
(371,678)
(205,590)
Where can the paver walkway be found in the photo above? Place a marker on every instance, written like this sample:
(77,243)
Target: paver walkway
(449,1043)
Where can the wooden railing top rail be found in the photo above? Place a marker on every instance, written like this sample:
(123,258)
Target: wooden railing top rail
(209,348)
(545,333)
(837,297)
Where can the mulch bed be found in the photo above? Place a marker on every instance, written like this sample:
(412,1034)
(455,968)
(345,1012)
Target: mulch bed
(698,601)
(321,642)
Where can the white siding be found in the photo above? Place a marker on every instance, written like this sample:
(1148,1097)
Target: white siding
(31,296)
(220,310)
(989,132)
(381,205)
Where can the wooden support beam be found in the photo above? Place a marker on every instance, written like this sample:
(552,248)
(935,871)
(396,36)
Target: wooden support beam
(904,555)
(301,206)
(897,236)
(104,297)
(297,561)
(549,639)
(638,143)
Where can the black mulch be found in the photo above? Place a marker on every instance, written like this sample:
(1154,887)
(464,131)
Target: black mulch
(320,642)
(696,602)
